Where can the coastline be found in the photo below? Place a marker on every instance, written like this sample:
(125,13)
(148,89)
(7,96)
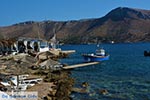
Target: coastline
(55,85)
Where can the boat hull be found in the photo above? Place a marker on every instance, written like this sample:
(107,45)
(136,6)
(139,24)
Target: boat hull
(94,58)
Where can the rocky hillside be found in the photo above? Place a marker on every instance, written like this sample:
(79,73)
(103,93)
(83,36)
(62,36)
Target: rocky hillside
(120,25)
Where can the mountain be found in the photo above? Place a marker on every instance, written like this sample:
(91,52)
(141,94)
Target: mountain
(120,25)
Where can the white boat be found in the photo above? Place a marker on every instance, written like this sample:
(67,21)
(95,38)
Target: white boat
(99,56)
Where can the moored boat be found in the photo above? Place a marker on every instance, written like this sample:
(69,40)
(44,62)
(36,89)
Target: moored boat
(99,56)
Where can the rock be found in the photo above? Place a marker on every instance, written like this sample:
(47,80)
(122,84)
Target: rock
(52,93)
(103,92)
(85,84)
(45,98)
(3,67)
(44,55)
(92,94)
(49,63)
(79,90)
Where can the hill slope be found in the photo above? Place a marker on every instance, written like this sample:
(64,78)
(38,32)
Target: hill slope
(120,25)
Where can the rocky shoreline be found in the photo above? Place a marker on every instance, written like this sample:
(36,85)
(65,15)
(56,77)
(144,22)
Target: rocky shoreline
(63,85)
(56,84)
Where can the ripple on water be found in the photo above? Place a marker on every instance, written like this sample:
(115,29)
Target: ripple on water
(125,76)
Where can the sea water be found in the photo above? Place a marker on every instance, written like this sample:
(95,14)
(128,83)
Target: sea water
(126,76)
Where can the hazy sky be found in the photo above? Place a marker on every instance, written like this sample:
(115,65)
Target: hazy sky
(16,11)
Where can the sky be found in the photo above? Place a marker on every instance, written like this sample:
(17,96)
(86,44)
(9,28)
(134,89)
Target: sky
(16,11)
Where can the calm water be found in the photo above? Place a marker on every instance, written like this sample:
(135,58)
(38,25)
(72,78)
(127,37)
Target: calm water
(126,75)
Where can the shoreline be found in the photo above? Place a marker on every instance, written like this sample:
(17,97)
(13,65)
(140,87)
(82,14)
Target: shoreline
(56,85)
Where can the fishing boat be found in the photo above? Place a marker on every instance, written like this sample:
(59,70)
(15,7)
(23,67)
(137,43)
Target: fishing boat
(99,56)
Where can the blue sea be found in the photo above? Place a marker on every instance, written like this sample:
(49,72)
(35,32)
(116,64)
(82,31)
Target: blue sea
(126,76)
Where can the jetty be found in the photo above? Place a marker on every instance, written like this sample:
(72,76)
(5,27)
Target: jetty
(80,65)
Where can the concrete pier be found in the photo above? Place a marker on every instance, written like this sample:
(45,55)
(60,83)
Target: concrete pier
(80,65)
